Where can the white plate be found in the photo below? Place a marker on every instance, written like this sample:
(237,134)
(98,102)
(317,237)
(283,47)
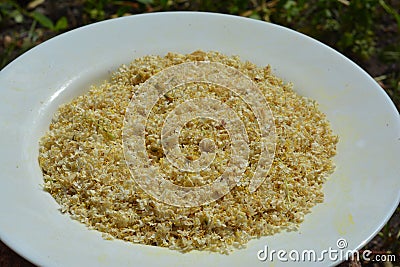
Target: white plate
(360,196)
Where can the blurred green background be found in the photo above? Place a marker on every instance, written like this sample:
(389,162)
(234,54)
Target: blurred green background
(366,31)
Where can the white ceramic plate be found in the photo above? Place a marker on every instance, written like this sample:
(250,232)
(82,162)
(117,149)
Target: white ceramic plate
(360,196)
